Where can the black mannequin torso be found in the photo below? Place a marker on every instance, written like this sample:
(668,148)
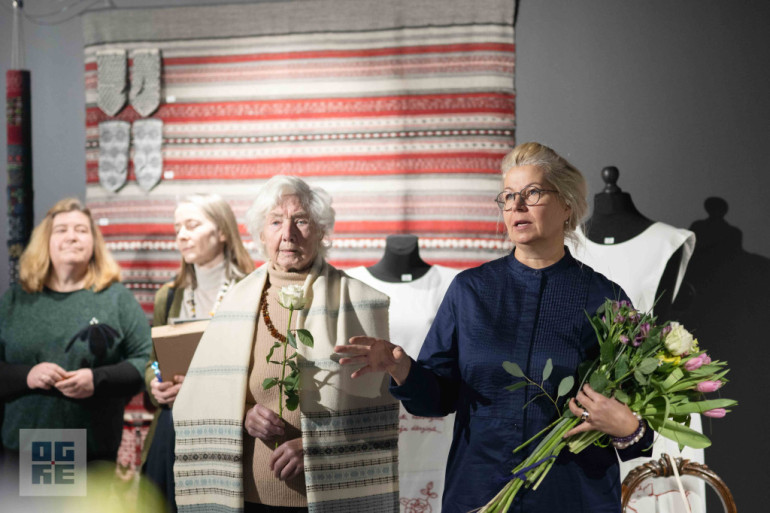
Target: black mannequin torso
(615,219)
(401,261)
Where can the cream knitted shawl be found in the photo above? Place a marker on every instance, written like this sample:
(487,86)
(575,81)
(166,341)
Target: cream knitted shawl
(349,427)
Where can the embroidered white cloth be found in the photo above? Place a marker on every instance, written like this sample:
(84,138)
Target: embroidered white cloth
(349,428)
(423,442)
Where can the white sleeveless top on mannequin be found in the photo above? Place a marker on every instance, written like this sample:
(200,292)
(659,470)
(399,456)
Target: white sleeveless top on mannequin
(637,265)
(423,443)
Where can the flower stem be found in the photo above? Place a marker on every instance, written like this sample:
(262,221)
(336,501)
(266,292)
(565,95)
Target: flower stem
(583,440)
(555,405)
(537,435)
(283,372)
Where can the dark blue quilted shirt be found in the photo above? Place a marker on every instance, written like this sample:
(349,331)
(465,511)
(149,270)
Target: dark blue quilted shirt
(504,310)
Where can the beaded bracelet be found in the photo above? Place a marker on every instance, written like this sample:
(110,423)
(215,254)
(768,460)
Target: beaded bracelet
(626,441)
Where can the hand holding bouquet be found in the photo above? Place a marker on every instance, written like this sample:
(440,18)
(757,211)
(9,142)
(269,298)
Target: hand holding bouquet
(659,371)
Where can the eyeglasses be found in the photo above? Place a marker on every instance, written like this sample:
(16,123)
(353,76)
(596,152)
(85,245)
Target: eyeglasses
(531,194)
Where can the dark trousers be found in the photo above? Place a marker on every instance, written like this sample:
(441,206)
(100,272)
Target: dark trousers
(159,466)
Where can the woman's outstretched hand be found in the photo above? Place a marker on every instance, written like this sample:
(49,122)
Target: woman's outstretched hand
(376,355)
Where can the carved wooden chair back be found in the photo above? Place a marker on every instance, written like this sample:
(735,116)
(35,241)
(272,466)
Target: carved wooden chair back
(663,468)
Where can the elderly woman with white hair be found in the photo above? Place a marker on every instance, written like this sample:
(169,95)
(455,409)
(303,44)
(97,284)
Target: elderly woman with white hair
(338,450)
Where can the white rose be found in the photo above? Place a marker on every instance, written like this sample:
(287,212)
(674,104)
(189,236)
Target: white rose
(679,341)
(292,296)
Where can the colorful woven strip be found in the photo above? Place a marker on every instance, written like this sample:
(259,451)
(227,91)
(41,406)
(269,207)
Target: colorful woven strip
(19,188)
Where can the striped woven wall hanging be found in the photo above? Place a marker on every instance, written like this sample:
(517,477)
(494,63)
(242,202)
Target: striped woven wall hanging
(401,110)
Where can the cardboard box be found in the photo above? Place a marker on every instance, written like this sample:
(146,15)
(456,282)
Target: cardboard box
(175,346)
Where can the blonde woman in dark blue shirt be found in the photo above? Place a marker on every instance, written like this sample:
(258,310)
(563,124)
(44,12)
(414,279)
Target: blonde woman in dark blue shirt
(526,308)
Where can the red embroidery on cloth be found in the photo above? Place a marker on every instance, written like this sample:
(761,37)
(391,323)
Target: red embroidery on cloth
(420,505)
(648,490)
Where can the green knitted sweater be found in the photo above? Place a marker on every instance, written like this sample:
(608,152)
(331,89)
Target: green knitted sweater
(62,328)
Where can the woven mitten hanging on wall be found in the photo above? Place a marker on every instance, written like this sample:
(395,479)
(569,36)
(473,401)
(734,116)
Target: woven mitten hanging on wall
(148,161)
(145,81)
(113,154)
(112,80)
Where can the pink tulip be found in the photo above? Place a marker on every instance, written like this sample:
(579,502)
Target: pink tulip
(716,413)
(705,358)
(695,363)
(708,386)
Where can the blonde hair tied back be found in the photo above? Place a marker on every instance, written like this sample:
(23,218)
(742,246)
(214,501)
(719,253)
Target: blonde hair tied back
(564,177)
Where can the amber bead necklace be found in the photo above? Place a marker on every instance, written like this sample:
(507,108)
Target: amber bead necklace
(266,316)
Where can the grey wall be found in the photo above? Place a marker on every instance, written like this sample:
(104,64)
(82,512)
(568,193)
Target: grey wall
(673,93)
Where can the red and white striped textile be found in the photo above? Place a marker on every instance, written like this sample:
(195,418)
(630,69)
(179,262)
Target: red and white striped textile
(401,110)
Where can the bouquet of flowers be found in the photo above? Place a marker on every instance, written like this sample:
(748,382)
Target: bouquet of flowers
(292,298)
(659,371)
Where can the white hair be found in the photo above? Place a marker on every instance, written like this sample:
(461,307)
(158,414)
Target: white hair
(316,201)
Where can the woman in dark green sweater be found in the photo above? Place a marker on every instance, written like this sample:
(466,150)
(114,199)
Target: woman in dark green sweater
(213,259)
(73,341)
